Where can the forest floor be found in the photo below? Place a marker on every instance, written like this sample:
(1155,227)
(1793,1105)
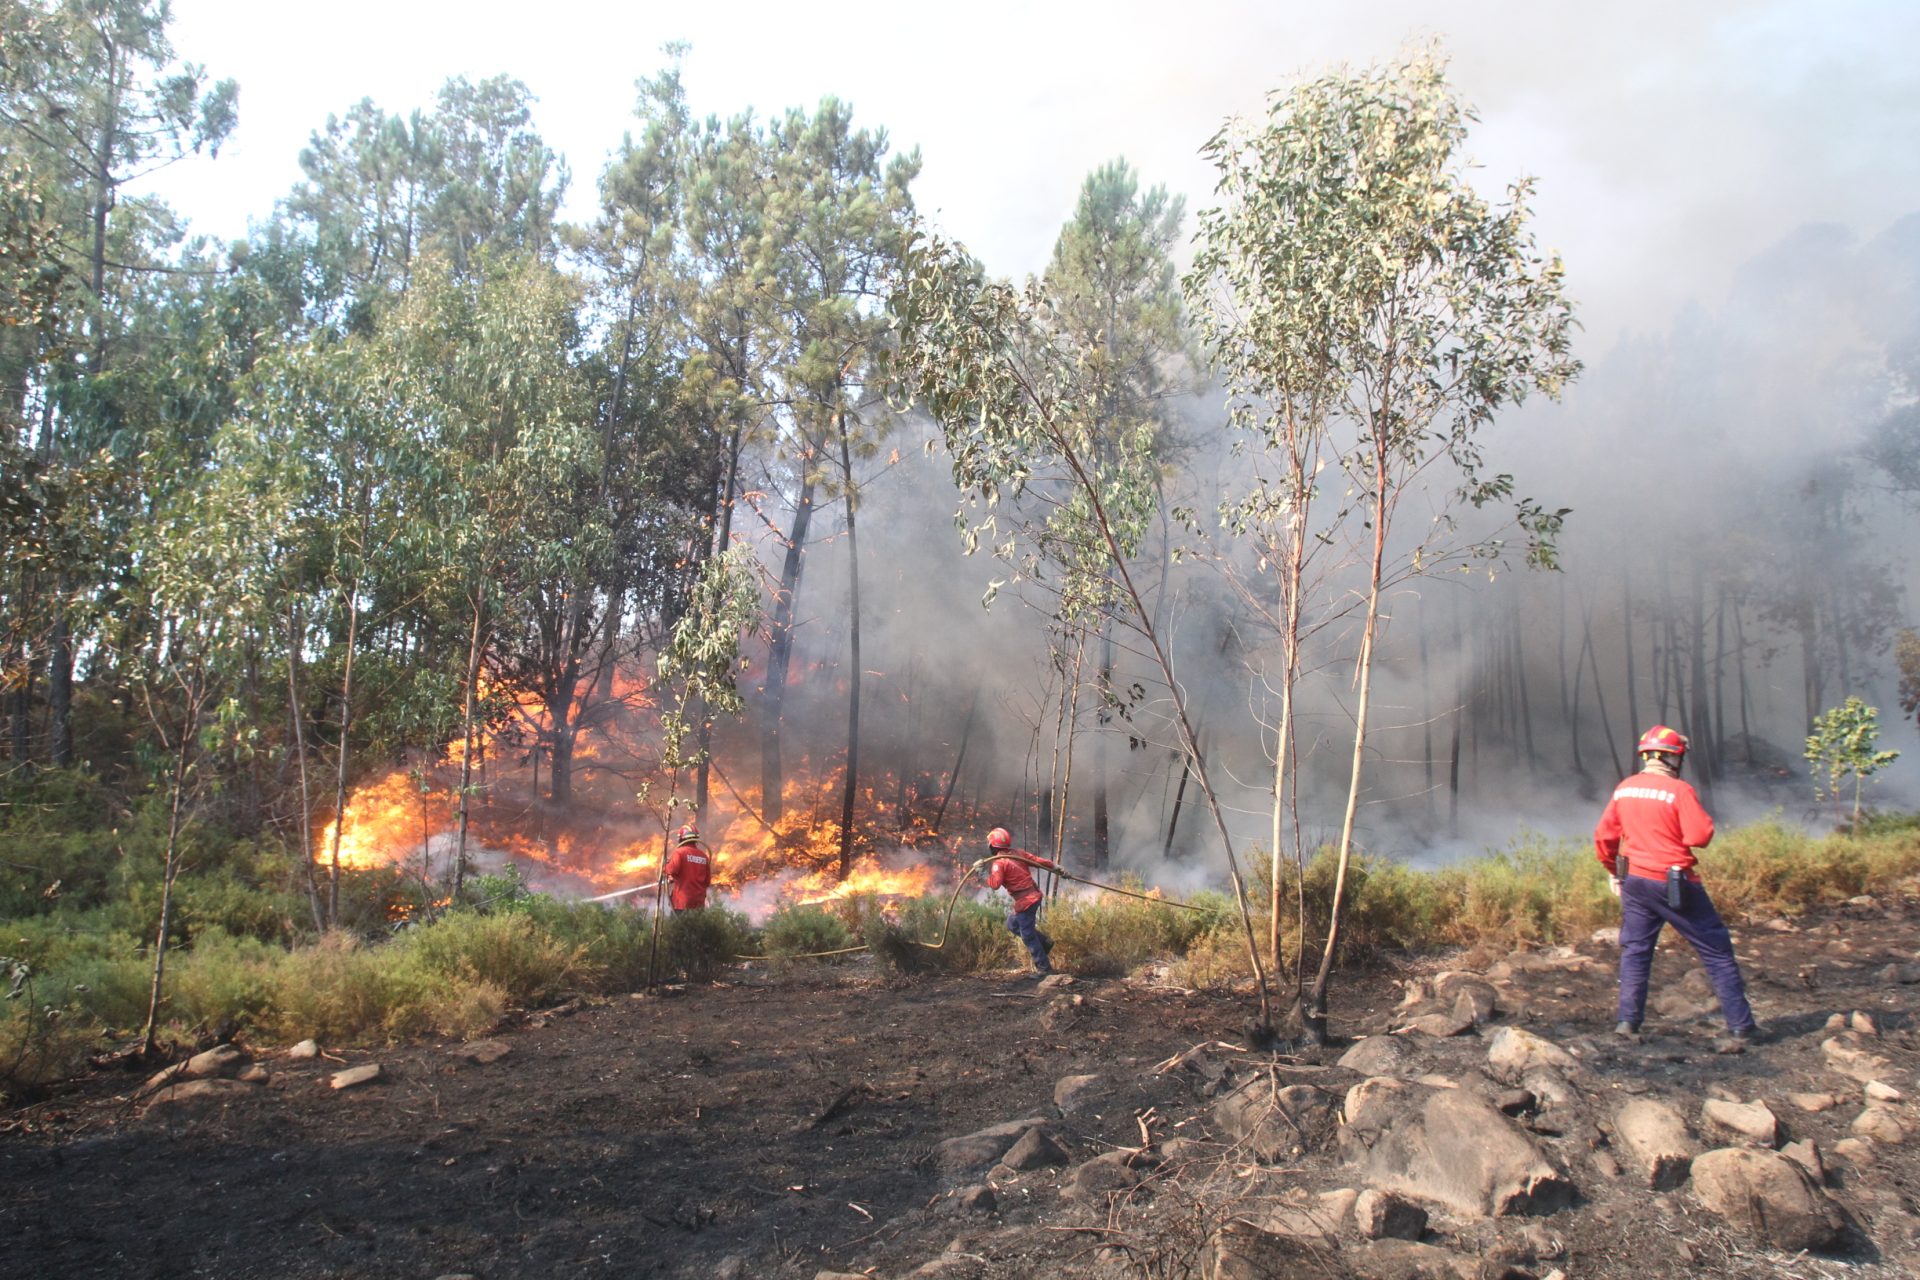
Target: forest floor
(782,1125)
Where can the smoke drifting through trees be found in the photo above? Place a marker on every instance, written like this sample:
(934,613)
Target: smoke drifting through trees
(1734,562)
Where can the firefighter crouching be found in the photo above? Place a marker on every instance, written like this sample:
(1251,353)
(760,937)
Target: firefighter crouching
(1646,841)
(690,868)
(1013,874)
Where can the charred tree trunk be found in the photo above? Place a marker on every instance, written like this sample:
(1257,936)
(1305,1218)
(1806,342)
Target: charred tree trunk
(959,759)
(471,702)
(723,539)
(1101,847)
(851,785)
(1179,797)
(344,753)
(780,650)
(1634,726)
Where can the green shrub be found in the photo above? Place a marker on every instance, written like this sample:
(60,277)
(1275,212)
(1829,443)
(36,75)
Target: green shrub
(701,943)
(918,938)
(1115,934)
(805,931)
(40,1041)
(1216,960)
(511,952)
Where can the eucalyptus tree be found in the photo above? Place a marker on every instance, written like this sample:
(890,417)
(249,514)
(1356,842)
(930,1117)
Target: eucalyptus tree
(93,98)
(1113,284)
(1419,311)
(1053,495)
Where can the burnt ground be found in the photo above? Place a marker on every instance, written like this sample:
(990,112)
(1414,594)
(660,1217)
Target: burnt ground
(777,1125)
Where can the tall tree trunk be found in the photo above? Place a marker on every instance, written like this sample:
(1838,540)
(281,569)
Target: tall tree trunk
(851,784)
(1520,687)
(1460,666)
(1316,1019)
(1102,852)
(1179,798)
(344,753)
(193,694)
(296,635)
(1072,719)
(60,684)
(1634,727)
(780,649)
(471,701)
(959,759)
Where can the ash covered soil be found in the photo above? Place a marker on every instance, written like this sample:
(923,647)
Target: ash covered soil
(792,1125)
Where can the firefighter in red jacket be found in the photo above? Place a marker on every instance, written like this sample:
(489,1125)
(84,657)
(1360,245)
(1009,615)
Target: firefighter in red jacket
(1646,841)
(1012,871)
(690,868)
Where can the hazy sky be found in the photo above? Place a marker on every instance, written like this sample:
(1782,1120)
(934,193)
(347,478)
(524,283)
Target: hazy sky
(1672,141)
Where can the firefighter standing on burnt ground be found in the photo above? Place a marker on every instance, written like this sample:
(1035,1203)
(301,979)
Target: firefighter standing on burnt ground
(690,868)
(1646,841)
(1012,871)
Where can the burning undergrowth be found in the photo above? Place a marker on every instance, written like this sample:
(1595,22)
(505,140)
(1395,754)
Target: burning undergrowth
(610,832)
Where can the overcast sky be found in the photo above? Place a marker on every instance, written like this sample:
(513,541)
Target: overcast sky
(1672,141)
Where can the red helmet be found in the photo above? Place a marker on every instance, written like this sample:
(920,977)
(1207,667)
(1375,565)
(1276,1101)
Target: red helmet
(999,838)
(688,834)
(1662,739)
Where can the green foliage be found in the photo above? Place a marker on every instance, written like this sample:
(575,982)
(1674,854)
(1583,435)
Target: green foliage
(1841,746)
(911,939)
(701,943)
(1114,935)
(795,931)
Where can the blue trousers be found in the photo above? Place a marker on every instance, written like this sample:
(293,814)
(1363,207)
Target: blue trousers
(1021,925)
(1643,910)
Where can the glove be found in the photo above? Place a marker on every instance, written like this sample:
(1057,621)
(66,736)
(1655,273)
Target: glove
(1613,885)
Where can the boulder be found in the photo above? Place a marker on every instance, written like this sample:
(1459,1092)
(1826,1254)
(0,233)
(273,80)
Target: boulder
(1454,1148)
(1881,1091)
(1863,1022)
(305,1049)
(1750,1122)
(1850,1057)
(1379,1215)
(1441,1025)
(1370,1104)
(1103,1175)
(192,1094)
(1321,1218)
(1655,1137)
(1481,997)
(1513,1052)
(1036,1149)
(221,1060)
(973,1200)
(1858,1152)
(1879,1124)
(254,1073)
(1806,1154)
(975,1153)
(1241,1251)
(483,1052)
(1549,1087)
(1055,981)
(1380,1056)
(1515,1101)
(1813,1102)
(1075,1093)
(353,1077)
(1768,1195)
(1276,1124)
(1900,974)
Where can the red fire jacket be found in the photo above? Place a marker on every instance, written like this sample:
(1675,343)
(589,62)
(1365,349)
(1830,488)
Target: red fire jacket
(691,870)
(1656,822)
(1016,878)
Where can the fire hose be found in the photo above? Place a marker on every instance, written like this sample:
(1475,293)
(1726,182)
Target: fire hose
(953,901)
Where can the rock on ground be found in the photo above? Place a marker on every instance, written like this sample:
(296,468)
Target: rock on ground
(1242,1251)
(221,1060)
(1456,1149)
(1114,1171)
(1075,1093)
(1275,1124)
(1655,1138)
(975,1153)
(305,1049)
(1381,1056)
(1513,1052)
(1749,1122)
(1768,1195)
(1381,1215)
(1036,1149)
(193,1093)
